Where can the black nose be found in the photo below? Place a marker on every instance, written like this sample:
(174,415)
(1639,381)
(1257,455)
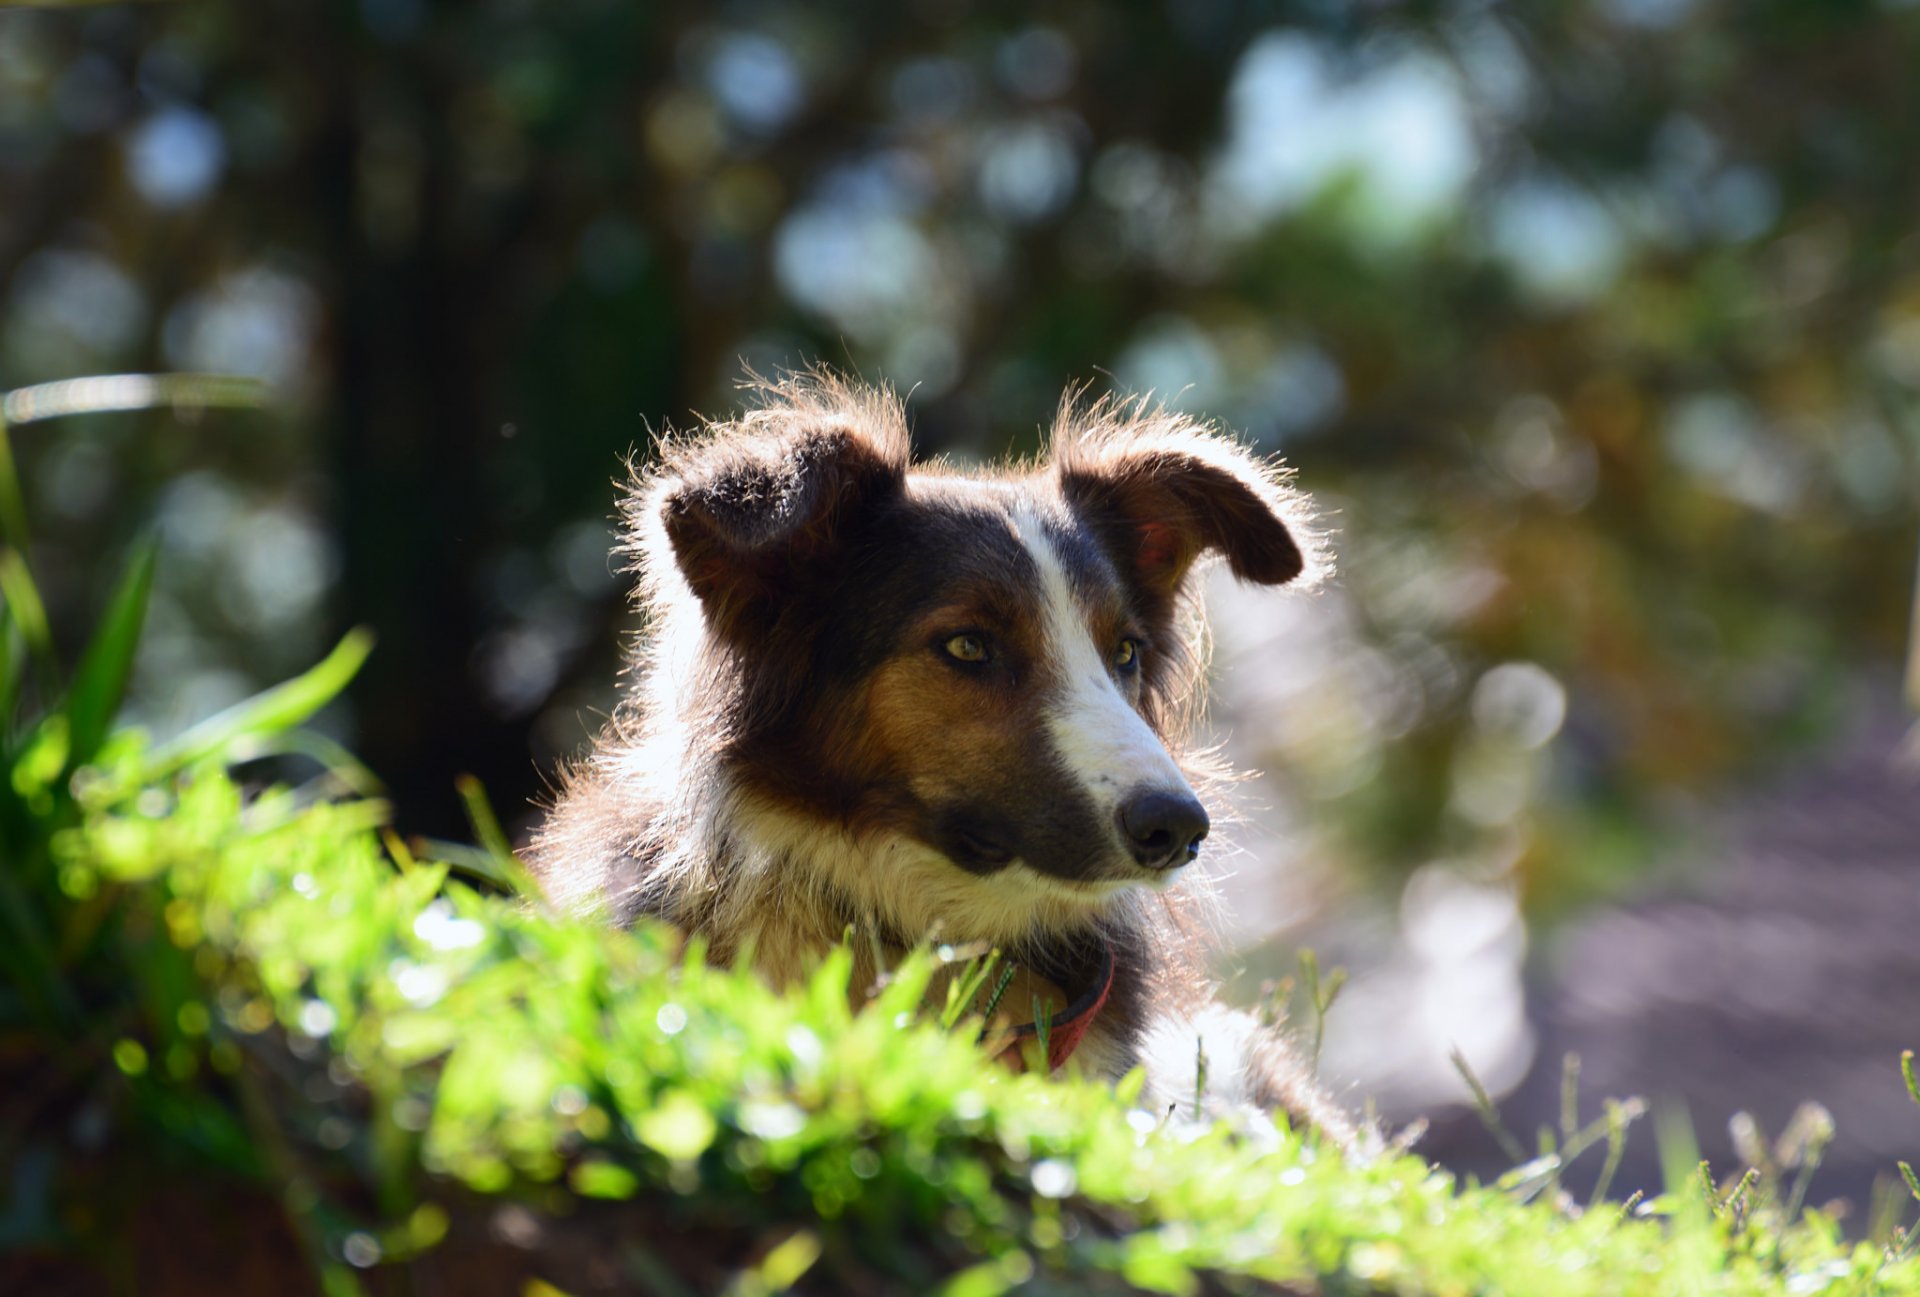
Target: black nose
(1164,829)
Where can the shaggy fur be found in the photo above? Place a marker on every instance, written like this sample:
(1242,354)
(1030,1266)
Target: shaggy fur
(923,703)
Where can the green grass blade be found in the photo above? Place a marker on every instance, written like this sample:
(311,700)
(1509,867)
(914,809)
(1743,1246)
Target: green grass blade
(1489,1111)
(268,712)
(962,989)
(492,838)
(29,614)
(1679,1153)
(102,394)
(13,506)
(11,660)
(477,863)
(100,681)
(340,764)
(106,393)
(486,825)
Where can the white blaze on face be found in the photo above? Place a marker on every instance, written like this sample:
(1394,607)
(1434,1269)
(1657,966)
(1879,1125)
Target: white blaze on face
(1108,747)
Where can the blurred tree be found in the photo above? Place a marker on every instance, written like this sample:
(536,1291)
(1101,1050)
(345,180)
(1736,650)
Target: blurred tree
(1598,323)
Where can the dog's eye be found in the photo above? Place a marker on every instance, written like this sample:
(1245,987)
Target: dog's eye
(1126,656)
(966,648)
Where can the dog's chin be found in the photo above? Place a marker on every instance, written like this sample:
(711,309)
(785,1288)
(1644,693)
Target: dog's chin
(1015,878)
(1097,891)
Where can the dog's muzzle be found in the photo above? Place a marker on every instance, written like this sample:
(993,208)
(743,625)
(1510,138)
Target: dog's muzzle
(1163,829)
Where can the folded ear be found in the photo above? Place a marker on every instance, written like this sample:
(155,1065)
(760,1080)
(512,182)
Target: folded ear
(747,507)
(1164,490)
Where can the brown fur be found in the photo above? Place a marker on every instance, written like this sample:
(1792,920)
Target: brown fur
(793,757)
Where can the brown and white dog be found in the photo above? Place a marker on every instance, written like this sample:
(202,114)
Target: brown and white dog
(931,704)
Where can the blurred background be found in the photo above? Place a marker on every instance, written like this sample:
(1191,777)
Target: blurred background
(1593,325)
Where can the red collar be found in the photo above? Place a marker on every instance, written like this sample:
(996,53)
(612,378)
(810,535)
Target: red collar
(1066,1031)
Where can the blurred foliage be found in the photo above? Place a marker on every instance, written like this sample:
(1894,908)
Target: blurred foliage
(455,1091)
(1595,325)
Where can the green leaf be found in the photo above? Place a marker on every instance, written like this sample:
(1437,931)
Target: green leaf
(789,1261)
(268,712)
(597,1178)
(29,614)
(42,760)
(678,1127)
(99,683)
(990,1278)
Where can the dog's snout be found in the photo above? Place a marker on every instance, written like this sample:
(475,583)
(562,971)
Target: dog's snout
(1164,829)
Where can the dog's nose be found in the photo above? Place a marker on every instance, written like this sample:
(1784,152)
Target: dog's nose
(1163,829)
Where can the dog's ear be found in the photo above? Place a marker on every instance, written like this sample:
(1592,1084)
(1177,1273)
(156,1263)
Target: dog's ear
(746,509)
(1163,491)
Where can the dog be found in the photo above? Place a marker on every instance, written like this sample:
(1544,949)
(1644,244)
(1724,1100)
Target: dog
(924,704)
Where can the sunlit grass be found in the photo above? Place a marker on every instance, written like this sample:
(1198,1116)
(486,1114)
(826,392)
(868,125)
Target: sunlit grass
(471,1044)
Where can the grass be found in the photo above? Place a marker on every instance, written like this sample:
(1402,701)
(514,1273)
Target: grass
(247,1032)
(393,1051)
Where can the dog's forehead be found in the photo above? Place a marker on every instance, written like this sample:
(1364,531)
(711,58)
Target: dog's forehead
(1019,526)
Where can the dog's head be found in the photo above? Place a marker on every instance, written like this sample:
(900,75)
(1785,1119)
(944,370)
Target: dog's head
(988,667)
